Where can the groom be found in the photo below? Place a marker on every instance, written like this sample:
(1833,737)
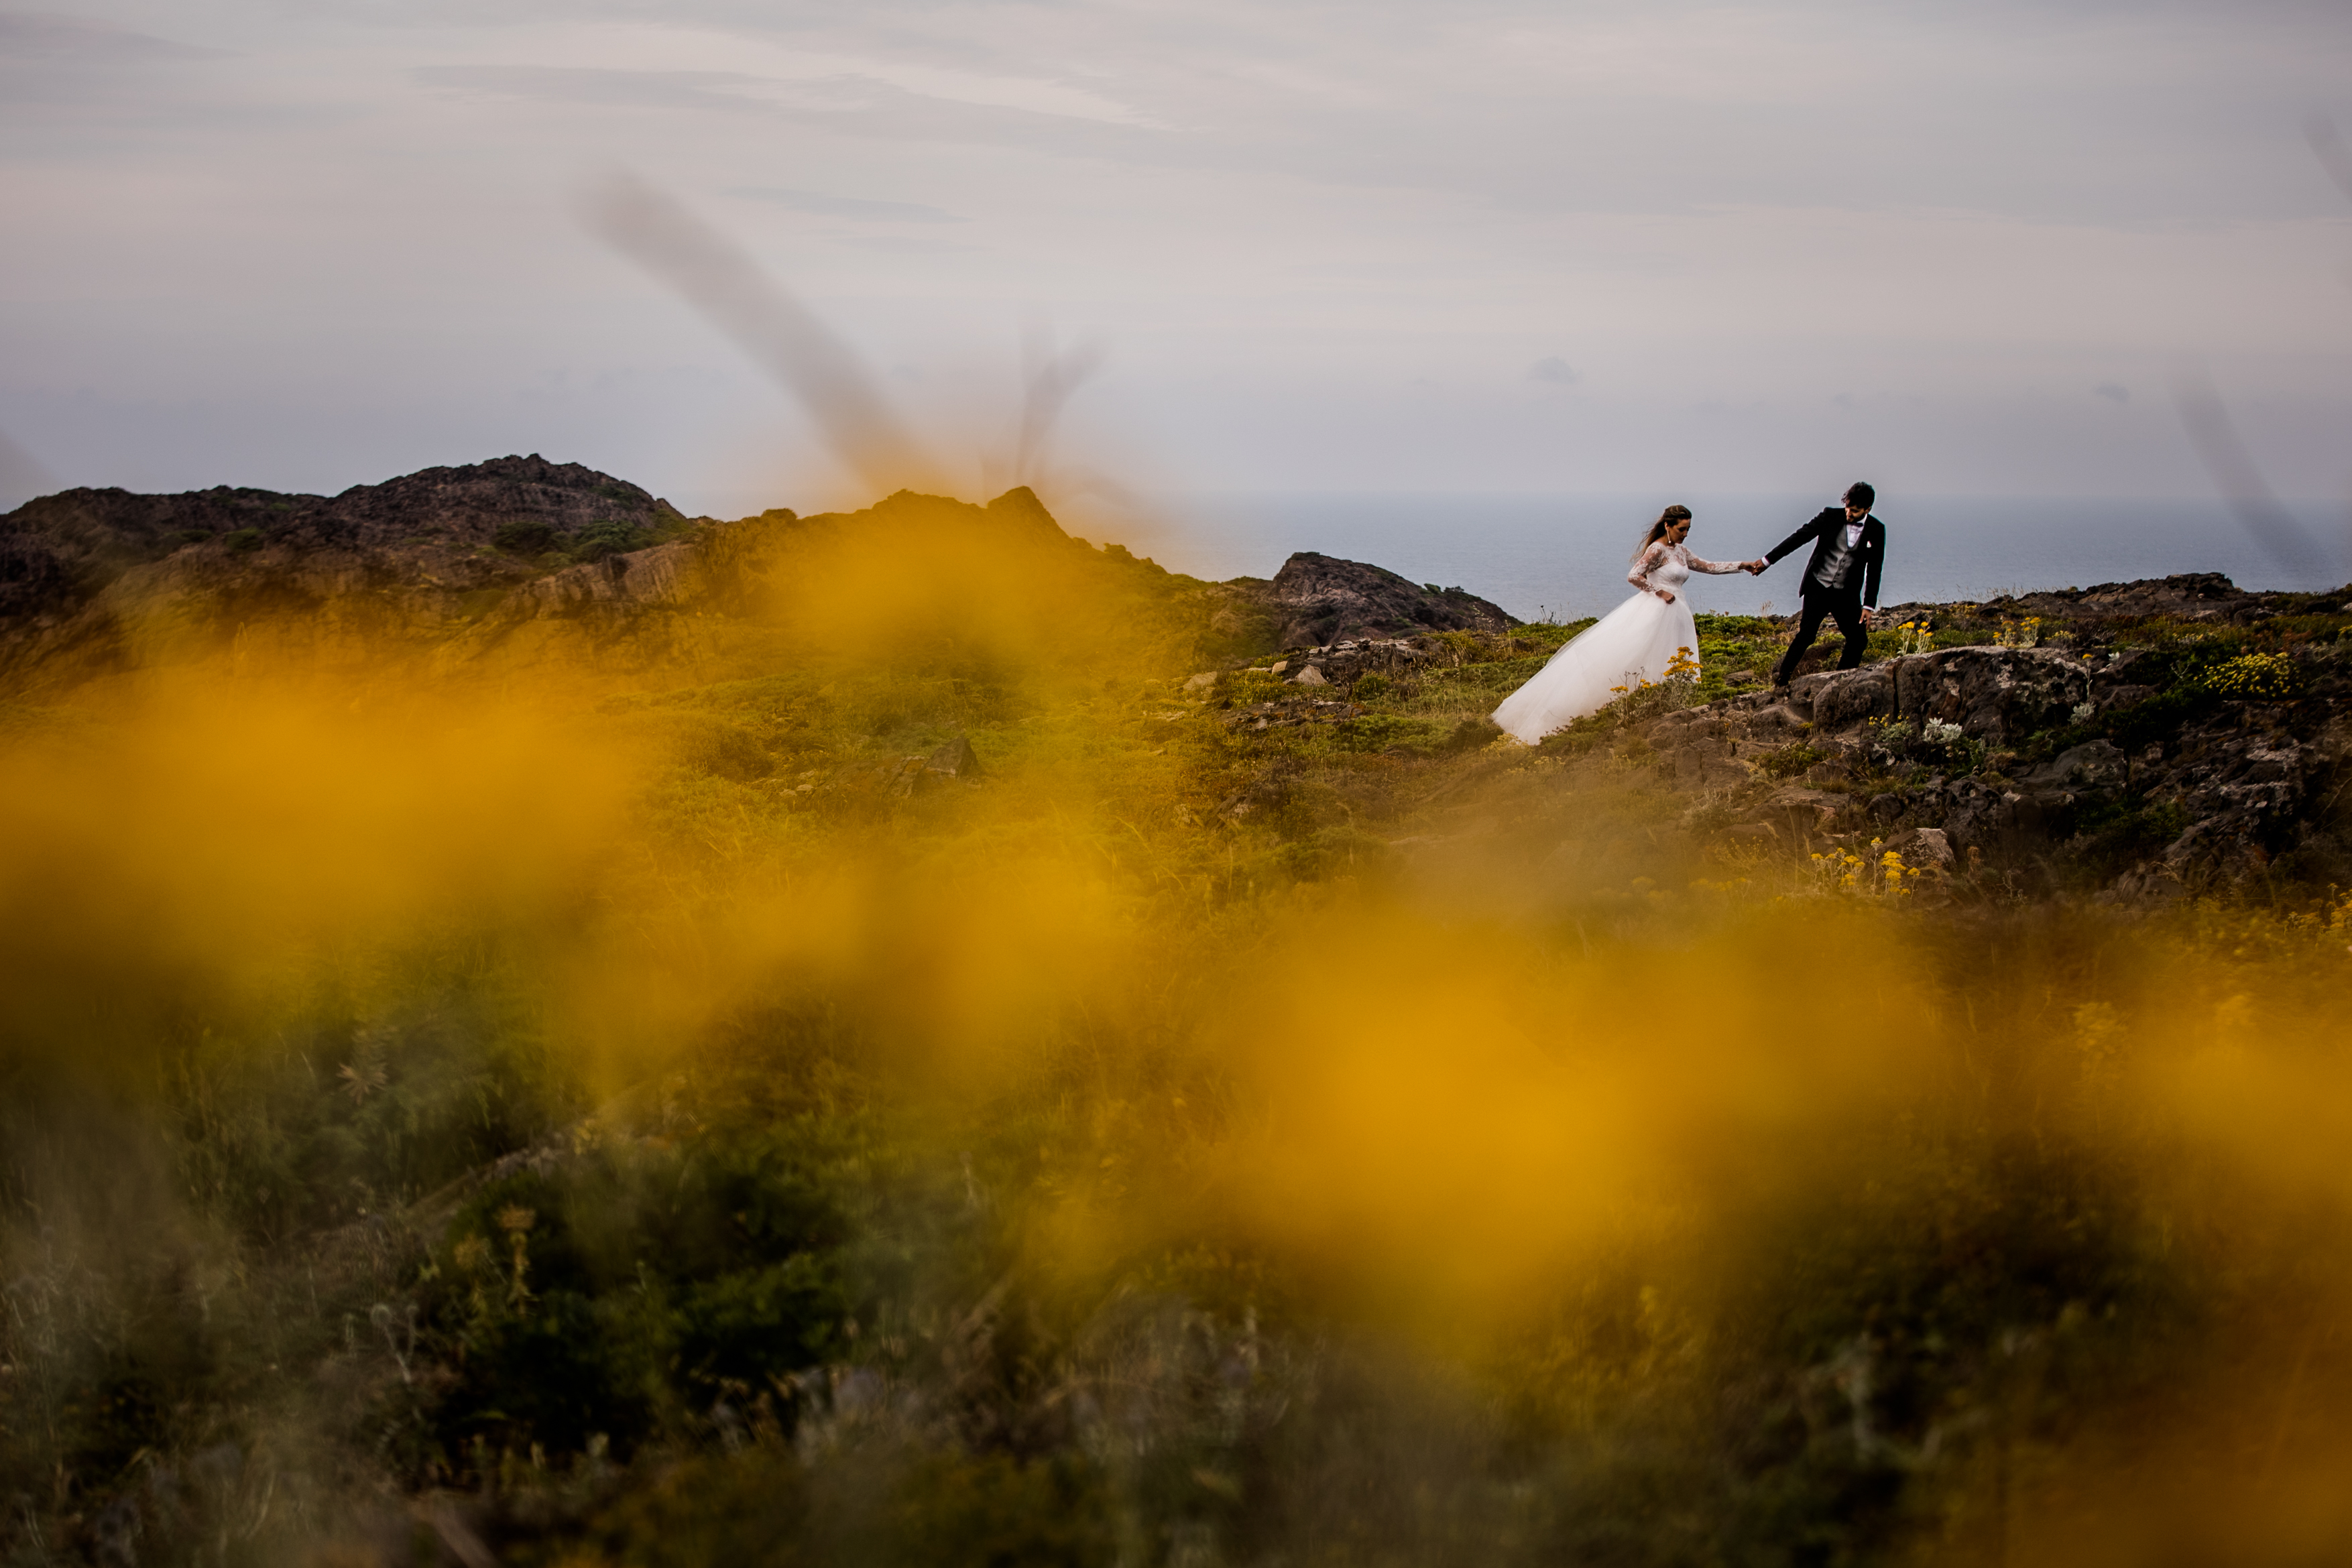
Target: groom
(1841,580)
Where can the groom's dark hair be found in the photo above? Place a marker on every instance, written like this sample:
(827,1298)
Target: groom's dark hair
(1860,493)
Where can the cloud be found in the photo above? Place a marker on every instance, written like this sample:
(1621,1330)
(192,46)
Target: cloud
(2114,392)
(2328,146)
(784,63)
(35,35)
(1277,217)
(902,245)
(849,104)
(612,88)
(847,206)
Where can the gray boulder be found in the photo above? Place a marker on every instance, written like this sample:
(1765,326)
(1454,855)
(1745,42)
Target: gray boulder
(1842,698)
(1995,695)
(1320,598)
(2094,765)
(1923,847)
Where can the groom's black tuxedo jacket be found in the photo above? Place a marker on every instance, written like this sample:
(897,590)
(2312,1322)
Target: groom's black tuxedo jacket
(1826,531)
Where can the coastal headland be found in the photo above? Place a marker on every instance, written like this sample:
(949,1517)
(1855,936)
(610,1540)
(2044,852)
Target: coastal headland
(545,1030)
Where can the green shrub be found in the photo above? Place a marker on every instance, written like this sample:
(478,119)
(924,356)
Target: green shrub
(1379,731)
(754,1326)
(243,541)
(2115,836)
(626,1290)
(989,1511)
(1470,734)
(1746,628)
(703,743)
(526,536)
(1335,851)
(2159,718)
(543,1378)
(1788,761)
(608,537)
(1371,687)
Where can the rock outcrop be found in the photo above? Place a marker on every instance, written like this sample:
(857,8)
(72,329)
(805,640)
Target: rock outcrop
(2195,596)
(2216,795)
(2108,760)
(97,574)
(1319,600)
(2098,749)
(663,575)
(461,559)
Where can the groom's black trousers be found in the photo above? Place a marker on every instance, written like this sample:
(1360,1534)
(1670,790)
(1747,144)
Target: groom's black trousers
(1847,610)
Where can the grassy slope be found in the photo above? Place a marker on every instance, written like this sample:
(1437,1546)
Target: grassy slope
(1135,1156)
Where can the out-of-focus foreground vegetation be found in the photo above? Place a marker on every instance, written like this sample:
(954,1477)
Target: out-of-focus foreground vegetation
(574,1110)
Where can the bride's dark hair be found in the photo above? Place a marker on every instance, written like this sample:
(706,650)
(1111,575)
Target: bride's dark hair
(1658,530)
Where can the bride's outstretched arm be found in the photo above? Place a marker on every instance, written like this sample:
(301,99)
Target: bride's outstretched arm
(1721,568)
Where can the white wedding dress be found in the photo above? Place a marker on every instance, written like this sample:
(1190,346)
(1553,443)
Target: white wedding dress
(1631,643)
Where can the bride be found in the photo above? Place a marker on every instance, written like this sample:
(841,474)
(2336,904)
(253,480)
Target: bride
(1633,644)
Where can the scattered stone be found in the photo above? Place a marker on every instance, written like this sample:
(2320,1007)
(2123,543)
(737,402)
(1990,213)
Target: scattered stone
(1804,812)
(1309,677)
(1705,763)
(2095,763)
(1923,847)
(954,760)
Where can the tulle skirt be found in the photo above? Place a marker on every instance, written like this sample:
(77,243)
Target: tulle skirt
(1631,643)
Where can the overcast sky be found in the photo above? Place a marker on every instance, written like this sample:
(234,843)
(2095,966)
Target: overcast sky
(1484,244)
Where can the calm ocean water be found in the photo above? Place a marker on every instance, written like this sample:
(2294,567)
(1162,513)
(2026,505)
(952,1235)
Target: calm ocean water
(1567,555)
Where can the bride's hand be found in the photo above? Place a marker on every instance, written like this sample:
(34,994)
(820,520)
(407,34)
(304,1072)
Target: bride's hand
(1666,595)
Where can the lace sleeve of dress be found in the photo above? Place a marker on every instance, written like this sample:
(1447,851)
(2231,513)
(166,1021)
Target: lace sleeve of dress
(1719,567)
(1650,560)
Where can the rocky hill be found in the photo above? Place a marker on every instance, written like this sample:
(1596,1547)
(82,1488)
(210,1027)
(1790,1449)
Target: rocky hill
(92,580)
(1011,1054)
(2156,737)
(81,571)
(2096,727)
